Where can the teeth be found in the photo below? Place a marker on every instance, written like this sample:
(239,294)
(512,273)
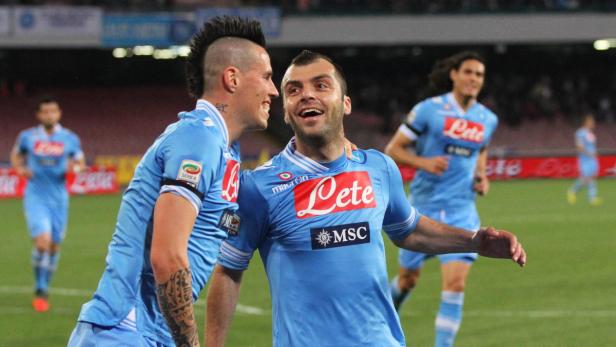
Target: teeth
(311,110)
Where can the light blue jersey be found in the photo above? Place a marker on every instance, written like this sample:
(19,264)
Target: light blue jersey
(192,159)
(440,127)
(46,197)
(587,160)
(317,227)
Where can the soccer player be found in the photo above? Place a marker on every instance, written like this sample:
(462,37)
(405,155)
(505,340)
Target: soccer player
(44,154)
(588,165)
(450,134)
(181,202)
(316,218)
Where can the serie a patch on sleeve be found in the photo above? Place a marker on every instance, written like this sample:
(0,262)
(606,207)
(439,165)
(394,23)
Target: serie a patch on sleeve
(190,172)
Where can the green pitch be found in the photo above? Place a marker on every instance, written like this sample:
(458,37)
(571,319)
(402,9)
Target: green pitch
(566,296)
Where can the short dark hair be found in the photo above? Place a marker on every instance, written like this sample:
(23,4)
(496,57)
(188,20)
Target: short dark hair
(46,99)
(439,76)
(216,28)
(307,57)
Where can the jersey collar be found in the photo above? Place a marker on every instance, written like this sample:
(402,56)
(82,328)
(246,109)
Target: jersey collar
(452,100)
(298,159)
(204,105)
(56,128)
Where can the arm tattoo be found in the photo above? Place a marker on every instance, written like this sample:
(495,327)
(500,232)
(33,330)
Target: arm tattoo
(221,107)
(176,303)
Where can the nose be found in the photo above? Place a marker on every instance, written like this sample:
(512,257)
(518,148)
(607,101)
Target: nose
(273,92)
(307,94)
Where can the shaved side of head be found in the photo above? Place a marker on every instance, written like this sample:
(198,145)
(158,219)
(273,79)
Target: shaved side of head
(226,52)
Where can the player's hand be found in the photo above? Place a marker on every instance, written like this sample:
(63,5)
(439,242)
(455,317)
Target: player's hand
(493,243)
(349,147)
(481,185)
(436,165)
(24,172)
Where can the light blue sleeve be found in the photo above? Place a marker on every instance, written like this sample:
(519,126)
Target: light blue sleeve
(21,144)
(237,250)
(416,121)
(192,159)
(400,217)
(493,127)
(579,138)
(75,151)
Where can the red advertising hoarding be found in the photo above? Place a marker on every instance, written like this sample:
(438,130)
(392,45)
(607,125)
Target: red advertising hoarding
(532,167)
(94,180)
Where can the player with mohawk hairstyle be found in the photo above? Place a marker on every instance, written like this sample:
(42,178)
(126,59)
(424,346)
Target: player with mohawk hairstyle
(181,202)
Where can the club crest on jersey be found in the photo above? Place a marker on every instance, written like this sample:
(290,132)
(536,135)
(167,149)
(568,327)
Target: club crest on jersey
(340,235)
(462,129)
(230,222)
(343,192)
(190,172)
(230,182)
(285,175)
(49,148)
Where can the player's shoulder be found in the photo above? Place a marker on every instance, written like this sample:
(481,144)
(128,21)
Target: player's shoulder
(487,112)
(28,131)
(201,131)
(68,132)
(372,158)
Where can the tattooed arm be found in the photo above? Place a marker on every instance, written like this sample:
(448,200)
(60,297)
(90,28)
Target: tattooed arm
(174,217)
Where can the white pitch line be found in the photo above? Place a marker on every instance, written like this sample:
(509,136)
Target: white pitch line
(257,311)
(245,309)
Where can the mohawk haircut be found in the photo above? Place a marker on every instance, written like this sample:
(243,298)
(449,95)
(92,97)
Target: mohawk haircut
(439,76)
(216,28)
(307,57)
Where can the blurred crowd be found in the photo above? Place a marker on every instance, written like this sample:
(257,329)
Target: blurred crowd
(353,6)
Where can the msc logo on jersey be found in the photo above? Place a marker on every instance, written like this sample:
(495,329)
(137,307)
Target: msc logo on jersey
(49,148)
(230,182)
(190,172)
(462,129)
(343,192)
(340,235)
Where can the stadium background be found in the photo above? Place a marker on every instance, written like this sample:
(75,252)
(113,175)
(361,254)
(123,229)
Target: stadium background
(117,69)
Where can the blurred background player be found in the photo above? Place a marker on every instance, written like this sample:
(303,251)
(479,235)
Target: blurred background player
(44,154)
(318,227)
(588,165)
(181,203)
(450,133)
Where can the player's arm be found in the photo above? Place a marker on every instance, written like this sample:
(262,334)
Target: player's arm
(174,217)
(18,159)
(77,160)
(482,183)
(398,146)
(221,301)
(433,237)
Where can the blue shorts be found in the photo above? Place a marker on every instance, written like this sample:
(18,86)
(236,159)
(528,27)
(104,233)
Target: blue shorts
(465,217)
(46,217)
(91,335)
(588,168)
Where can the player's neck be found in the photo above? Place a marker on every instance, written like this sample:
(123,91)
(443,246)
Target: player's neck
(49,129)
(464,101)
(225,108)
(320,150)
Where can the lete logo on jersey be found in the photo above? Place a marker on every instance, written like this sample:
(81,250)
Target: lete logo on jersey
(230,182)
(462,129)
(343,192)
(190,172)
(49,148)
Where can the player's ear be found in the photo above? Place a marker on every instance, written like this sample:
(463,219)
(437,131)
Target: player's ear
(347,105)
(230,79)
(452,74)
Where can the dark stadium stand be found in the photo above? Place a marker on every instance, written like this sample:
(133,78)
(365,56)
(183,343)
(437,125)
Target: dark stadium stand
(113,121)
